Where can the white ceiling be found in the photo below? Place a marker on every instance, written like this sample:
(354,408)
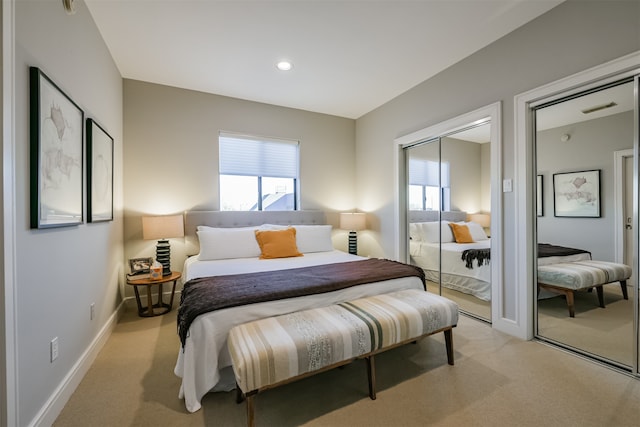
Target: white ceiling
(570,111)
(349,56)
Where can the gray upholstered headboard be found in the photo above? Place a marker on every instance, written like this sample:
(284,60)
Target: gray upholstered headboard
(430,216)
(229,219)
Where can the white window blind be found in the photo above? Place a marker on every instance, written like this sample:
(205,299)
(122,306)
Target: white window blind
(425,172)
(240,155)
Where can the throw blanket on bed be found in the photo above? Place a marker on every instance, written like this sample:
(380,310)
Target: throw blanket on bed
(482,255)
(547,250)
(206,294)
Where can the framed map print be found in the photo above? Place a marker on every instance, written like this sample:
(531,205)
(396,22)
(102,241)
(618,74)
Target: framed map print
(56,157)
(99,173)
(577,194)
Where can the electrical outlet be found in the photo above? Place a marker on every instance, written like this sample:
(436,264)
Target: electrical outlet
(54,349)
(93,310)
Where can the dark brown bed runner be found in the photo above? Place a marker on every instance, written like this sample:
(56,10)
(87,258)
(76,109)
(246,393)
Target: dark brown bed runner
(206,294)
(544,250)
(547,250)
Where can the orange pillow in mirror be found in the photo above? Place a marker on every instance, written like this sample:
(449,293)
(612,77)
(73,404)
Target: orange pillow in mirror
(277,243)
(461,233)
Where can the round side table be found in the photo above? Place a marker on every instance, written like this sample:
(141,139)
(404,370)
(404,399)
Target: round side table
(163,308)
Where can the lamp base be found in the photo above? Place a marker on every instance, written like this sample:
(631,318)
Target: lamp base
(353,243)
(163,256)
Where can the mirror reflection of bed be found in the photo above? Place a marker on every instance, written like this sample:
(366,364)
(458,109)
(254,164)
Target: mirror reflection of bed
(450,182)
(463,269)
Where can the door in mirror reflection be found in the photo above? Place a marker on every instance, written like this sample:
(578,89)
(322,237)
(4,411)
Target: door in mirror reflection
(449,201)
(584,153)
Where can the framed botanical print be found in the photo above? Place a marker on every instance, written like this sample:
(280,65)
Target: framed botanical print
(577,194)
(99,173)
(56,157)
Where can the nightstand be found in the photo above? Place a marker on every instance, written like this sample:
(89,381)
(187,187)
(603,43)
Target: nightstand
(150,309)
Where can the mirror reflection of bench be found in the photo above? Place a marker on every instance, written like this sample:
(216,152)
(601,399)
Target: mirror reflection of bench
(568,277)
(274,351)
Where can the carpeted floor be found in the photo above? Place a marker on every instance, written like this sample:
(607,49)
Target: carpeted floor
(466,302)
(497,380)
(606,332)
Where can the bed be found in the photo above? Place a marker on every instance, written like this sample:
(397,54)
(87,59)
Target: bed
(463,267)
(224,251)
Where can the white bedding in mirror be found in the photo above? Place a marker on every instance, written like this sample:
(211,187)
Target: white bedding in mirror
(455,275)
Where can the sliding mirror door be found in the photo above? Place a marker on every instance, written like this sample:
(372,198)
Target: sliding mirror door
(424,199)
(449,198)
(585,186)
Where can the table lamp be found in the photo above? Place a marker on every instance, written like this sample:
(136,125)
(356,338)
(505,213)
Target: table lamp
(483,219)
(353,221)
(162,228)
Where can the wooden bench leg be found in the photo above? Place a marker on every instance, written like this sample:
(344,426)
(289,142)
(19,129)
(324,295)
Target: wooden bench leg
(600,295)
(448,340)
(250,419)
(371,373)
(570,303)
(623,285)
(239,395)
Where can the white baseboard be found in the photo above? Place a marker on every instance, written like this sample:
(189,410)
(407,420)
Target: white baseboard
(54,405)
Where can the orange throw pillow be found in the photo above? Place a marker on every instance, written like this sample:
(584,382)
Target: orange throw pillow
(461,233)
(277,243)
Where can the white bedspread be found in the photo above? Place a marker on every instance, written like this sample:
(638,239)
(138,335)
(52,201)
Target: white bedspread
(455,275)
(204,363)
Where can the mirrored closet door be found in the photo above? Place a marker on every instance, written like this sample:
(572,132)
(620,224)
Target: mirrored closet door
(449,207)
(585,153)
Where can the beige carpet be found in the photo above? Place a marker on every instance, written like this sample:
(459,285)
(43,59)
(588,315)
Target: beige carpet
(606,332)
(466,302)
(497,380)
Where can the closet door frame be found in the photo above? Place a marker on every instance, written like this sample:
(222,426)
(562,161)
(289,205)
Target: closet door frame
(525,172)
(493,114)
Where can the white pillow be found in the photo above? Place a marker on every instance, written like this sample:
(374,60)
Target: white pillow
(431,232)
(313,238)
(225,243)
(414,231)
(273,227)
(477,232)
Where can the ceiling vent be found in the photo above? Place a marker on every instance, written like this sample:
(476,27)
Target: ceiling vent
(598,108)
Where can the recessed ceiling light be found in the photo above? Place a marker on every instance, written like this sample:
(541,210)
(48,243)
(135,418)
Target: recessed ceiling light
(284,65)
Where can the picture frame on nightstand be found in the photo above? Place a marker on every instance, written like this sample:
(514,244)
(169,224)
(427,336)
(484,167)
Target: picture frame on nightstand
(139,266)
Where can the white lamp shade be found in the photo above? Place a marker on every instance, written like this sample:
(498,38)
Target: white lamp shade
(162,227)
(353,221)
(483,219)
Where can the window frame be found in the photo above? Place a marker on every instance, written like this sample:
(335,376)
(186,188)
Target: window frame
(252,139)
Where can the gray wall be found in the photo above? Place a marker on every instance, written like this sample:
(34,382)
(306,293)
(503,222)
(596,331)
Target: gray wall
(591,146)
(60,272)
(171,155)
(465,162)
(570,38)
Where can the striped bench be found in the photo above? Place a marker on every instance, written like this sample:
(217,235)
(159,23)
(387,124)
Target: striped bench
(568,277)
(270,352)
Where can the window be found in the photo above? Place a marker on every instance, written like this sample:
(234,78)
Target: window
(426,191)
(258,174)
